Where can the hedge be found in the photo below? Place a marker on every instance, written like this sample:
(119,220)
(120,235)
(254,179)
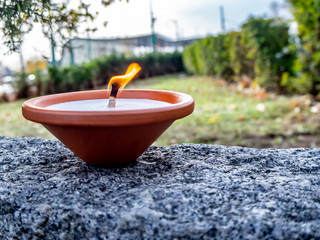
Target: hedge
(261,50)
(99,71)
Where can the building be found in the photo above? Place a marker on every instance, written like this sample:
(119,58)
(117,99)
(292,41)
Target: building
(80,50)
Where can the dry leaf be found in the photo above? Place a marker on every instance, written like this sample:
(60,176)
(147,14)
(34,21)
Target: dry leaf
(241,118)
(214,119)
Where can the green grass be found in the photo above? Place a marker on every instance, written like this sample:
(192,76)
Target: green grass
(13,124)
(225,116)
(222,115)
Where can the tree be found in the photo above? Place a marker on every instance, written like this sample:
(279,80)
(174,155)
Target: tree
(307,15)
(56,17)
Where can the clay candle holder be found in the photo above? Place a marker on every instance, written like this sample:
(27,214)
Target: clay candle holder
(109,137)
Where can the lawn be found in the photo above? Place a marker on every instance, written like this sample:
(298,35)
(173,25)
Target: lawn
(223,115)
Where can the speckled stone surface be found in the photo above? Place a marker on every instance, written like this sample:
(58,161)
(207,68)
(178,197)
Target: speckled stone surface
(180,192)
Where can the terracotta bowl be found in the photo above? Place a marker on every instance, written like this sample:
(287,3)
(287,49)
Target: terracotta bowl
(108,138)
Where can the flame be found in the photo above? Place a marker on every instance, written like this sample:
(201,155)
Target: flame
(123,80)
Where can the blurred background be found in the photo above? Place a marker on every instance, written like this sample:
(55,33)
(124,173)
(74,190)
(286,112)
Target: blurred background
(252,67)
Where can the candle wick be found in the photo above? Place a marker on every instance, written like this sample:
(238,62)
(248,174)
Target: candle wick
(114,91)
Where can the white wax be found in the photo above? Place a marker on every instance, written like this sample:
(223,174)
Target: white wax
(102,105)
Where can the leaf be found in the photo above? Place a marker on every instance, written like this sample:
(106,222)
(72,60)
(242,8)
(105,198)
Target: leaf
(241,118)
(215,118)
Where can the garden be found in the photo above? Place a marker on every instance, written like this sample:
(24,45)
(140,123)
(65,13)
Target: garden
(225,114)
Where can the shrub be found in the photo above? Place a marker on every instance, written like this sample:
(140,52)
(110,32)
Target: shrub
(261,50)
(98,72)
(307,14)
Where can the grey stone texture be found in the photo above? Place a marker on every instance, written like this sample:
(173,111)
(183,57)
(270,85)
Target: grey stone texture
(188,191)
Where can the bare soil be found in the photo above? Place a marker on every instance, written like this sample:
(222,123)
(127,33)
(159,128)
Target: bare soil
(271,141)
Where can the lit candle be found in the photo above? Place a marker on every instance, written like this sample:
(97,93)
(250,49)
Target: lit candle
(116,84)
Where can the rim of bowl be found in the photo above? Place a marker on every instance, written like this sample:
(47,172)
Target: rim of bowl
(34,109)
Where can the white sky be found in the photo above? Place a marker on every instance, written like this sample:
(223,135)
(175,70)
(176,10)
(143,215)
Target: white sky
(194,18)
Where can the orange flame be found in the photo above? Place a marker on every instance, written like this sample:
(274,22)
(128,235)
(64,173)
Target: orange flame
(123,80)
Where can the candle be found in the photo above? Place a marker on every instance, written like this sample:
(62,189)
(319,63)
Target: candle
(104,134)
(103,105)
(116,84)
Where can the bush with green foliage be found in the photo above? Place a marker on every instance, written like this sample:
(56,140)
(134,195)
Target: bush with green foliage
(307,14)
(98,72)
(261,50)
(270,41)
